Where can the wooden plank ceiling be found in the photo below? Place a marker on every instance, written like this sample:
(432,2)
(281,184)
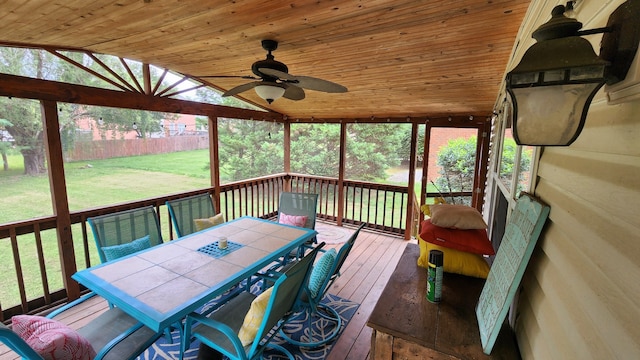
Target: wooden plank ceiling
(397,58)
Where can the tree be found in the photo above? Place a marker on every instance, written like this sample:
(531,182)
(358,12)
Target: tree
(405,149)
(372,149)
(457,165)
(249,149)
(25,116)
(4,145)
(315,149)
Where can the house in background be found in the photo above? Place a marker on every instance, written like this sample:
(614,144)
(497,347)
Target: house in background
(181,124)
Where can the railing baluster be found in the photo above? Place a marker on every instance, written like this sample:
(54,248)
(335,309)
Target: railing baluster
(18,267)
(392,215)
(233,203)
(85,242)
(41,264)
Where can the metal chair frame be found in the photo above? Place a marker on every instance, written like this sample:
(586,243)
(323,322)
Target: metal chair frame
(313,306)
(124,227)
(113,335)
(219,329)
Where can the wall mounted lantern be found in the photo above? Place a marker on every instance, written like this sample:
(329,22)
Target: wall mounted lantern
(553,85)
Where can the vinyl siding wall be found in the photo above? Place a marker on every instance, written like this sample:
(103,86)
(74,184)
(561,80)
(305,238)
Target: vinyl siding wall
(579,297)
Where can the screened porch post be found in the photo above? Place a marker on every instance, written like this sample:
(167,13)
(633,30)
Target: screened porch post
(412,181)
(214,159)
(425,163)
(341,170)
(59,199)
(287,153)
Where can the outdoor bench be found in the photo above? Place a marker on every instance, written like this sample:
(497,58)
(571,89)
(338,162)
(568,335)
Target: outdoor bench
(407,326)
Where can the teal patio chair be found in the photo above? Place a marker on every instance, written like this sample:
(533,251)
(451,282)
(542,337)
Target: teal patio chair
(125,232)
(219,330)
(184,211)
(293,204)
(323,274)
(299,204)
(114,335)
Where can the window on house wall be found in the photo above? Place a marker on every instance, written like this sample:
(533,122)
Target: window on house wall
(515,164)
(513,172)
(507,157)
(525,170)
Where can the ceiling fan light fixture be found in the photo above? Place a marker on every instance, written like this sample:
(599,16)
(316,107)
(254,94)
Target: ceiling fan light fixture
(274,80)
(270,91)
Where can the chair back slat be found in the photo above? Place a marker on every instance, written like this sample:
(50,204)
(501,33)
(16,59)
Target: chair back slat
(292,203)
(184,211)
(125,226)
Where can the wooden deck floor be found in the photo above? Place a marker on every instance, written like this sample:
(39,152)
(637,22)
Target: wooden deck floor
(364,276)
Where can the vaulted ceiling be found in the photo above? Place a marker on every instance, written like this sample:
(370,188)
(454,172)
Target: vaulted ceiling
(397,58)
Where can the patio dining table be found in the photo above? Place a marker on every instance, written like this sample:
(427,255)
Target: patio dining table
(161,285)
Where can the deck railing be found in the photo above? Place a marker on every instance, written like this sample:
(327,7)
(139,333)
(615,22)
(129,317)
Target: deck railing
(383,207)
(33,282)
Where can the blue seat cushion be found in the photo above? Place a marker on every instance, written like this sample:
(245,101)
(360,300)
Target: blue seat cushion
(118,251)
(320,272)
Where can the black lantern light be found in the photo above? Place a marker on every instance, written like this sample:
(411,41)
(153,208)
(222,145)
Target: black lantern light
(554,83)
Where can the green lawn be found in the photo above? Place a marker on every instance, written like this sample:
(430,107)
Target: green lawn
(101,183)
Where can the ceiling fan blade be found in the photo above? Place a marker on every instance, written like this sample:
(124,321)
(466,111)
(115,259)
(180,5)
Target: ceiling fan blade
(306,82)
(241,88)
(293,92)
(316,84)
(249,77)
(277,73)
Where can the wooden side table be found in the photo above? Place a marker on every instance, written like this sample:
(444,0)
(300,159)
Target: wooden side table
(407,326)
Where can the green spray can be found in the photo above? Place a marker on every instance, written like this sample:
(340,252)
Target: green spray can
(434,276)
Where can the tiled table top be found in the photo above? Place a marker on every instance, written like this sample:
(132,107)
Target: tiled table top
(161,285)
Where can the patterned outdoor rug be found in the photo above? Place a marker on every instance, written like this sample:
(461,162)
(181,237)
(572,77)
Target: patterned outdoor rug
(162,350)
(332,234)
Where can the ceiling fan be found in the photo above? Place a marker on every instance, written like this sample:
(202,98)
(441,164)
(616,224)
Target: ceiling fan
(274,80)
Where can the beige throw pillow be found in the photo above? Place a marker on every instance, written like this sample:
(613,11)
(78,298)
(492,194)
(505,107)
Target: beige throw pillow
(202,224)
(456,217)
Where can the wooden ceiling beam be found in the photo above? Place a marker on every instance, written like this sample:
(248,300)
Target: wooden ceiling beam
(37,89)
(448,121)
